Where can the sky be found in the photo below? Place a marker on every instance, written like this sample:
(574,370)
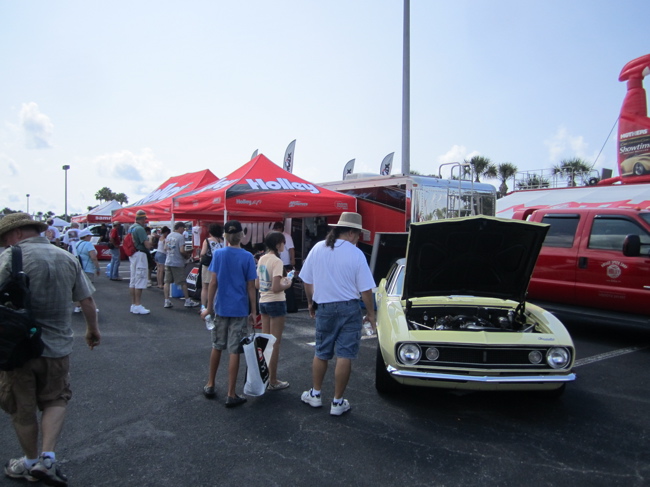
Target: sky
(130,93)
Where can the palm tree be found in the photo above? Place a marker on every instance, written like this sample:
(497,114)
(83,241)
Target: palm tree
(571,168)
(482,167)
(104,194)
(121,198)
(505,171)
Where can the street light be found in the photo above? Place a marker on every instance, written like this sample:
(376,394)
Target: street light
(65,168)
(27,203)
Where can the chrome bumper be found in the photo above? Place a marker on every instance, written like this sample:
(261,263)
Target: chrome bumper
(510,379)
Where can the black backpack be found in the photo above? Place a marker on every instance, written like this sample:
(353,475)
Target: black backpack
(20,335)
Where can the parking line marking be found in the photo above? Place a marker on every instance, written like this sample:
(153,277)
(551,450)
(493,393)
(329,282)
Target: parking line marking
(606,355)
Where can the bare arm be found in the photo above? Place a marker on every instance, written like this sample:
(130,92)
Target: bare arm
(212,292)
(309,291)
(279,284)
(366,296)
(89,310)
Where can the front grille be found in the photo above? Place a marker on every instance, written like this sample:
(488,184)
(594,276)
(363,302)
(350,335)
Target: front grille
(483,357)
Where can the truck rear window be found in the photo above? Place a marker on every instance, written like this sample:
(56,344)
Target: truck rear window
(562,231)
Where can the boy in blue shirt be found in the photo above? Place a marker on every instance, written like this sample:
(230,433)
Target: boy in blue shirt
(231,300)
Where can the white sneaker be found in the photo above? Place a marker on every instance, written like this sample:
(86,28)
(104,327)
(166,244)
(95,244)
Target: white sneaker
(191,304)
(168,303)
(132,306)
(77,309)
(313,401)
(140,310)
(338,409)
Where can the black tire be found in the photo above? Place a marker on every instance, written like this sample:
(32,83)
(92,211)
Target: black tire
(639,169)
(384,383)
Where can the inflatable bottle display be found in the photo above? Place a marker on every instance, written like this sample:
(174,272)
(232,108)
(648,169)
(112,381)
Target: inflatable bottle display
(634,124)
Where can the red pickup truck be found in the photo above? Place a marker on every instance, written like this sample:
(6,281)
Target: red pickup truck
(594,263)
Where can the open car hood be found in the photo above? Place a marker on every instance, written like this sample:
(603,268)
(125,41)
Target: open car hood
(475,256)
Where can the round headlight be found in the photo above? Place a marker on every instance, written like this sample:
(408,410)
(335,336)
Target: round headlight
(432,353)
(409,353)
(535,357)
(558,358)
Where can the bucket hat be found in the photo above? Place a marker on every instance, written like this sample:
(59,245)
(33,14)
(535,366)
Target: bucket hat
(348,219)
(17,220)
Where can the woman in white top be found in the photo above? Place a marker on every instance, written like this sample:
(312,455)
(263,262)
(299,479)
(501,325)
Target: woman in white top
(273,305)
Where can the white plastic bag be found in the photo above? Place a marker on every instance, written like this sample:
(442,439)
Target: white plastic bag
(257,350)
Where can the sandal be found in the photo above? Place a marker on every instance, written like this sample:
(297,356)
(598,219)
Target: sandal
(278,385)
(208,391)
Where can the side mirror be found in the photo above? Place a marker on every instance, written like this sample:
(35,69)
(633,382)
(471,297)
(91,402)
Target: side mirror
(632,246)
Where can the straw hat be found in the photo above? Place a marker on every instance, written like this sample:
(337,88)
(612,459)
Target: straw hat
(17,220)
(348,219)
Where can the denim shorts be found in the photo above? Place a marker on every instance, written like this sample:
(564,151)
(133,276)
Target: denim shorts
(338,328)
(274,308)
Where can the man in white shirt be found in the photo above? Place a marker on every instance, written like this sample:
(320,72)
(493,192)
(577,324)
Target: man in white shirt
(71,238)
(335,273)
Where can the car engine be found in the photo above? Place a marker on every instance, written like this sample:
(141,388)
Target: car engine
(462,318)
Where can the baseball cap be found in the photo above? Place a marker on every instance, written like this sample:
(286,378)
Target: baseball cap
(233,226)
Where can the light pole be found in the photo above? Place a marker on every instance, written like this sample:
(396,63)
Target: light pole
(65,168)
(27,203)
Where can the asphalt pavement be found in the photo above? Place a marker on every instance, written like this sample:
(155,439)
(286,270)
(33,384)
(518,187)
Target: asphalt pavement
(138,416)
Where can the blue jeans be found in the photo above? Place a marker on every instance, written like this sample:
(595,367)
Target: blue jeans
(338,326)
(115,263)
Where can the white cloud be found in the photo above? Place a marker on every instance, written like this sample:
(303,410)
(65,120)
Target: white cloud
(131,167)
(37,127)
(563,145)
(8,167)
(457,153)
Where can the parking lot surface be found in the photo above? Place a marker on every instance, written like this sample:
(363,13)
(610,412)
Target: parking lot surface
(138,416)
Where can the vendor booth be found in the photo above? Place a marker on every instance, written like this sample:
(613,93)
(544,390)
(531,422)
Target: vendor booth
(258,193)
(99,214)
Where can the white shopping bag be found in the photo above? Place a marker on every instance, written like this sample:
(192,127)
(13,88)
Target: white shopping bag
(257,350)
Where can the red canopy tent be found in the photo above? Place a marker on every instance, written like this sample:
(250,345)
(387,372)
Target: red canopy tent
(158,204)
(260,191)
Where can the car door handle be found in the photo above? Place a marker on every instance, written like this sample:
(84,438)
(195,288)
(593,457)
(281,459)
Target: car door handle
(582,262)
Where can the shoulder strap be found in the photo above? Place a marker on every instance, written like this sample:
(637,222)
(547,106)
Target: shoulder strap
(16,261)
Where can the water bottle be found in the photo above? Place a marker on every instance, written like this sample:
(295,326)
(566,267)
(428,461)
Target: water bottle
(290,274)
(367,327)
(209,322)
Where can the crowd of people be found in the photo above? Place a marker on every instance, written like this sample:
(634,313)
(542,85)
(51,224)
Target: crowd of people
(237,287)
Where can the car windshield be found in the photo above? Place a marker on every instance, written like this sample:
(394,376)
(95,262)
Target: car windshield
(398,282)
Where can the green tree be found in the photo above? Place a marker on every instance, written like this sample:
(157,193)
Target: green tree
(483,167)
(505,171)
(8,211)
(572,168)
(533,181)
(104,194)
(121,198)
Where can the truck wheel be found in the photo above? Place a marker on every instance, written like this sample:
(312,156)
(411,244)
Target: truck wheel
(639,169)
(384,383)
